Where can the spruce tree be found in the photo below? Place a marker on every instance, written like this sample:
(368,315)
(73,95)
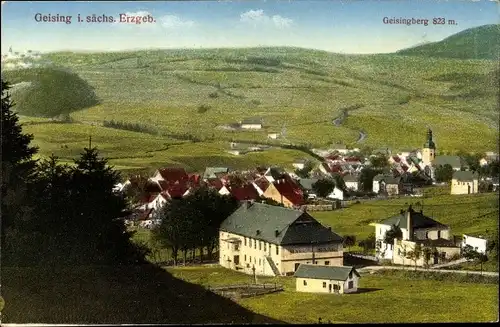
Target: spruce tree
(18,170)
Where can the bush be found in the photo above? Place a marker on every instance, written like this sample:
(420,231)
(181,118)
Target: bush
(203,108)
(213,95)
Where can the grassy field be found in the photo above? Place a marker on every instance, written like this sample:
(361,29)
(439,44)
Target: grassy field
(135,151)
(297,90)
(381,300)
(463,213)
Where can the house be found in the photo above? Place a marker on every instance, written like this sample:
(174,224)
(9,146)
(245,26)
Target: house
(261,184)
(454,161)
(244,192)
(299,163)
(274,173)
(340,148)
(387,184)
(478,242)
(170,175)
(286,192)
(251,123)
(274,241)
(351,182)
(273,136)
(464,182)
(416,228)
(337,194)
(211,172)
(326,279)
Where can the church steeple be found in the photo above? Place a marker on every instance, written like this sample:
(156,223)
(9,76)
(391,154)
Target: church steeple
(430,143)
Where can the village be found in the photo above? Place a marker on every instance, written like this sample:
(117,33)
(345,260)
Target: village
(272,233)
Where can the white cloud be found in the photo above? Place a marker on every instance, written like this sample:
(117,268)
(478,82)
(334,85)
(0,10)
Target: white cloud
(282,22)
(259,17)
(172,21)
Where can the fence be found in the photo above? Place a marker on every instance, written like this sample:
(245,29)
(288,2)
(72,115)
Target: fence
(239,291)
(320,207)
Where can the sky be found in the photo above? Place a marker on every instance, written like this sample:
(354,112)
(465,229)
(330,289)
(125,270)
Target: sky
(354,27)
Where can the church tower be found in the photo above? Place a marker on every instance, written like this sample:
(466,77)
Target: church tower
(429,150)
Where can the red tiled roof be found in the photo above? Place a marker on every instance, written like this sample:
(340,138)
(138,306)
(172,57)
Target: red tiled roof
(332,157)
(290,190)
(405,167)
(194,179)
(246,192)
(215,183)
(396,158)
(335,168)
(173,174)
(262,183)
(177,190)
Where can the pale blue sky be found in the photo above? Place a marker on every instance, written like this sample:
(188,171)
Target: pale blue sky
(337,26)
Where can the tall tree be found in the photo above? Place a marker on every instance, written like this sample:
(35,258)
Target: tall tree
(349,240)
(415,254)
(380,161)
(366,178)
(393,233)
(18,169)
(323,187)
(443,173)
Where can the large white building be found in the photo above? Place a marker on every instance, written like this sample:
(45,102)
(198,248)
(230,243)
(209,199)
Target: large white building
(272,240)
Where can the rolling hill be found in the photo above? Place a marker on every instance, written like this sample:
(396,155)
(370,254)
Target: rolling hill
(481,42)
(392,98)
(48,91)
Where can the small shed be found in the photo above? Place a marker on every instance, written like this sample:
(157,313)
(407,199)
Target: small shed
(326,279)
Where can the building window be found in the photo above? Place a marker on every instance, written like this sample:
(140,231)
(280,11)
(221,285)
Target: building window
(254,260)
(265,246)
(277,250)
(399,251)
(426,234)
(324,284)
(259,262)
(245,241)
(350,284)
(250,241)
(250,260)
(327,263)
(245,257)
(255,244)
(260,245)
(439,234)
(305,282)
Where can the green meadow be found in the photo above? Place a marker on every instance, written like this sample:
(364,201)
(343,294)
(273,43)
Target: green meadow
(382,299)
(296,91)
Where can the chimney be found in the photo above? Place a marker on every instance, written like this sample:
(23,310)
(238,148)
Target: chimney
(276,233)
(408,224)
(258,231)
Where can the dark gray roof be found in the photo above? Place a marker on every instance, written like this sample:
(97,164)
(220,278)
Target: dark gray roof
(465,175)
(325,272)
(388,179)
(276,172)
(293,226)
(252,120)
(211,171)
(307,183)
(418,220)
(453,161)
